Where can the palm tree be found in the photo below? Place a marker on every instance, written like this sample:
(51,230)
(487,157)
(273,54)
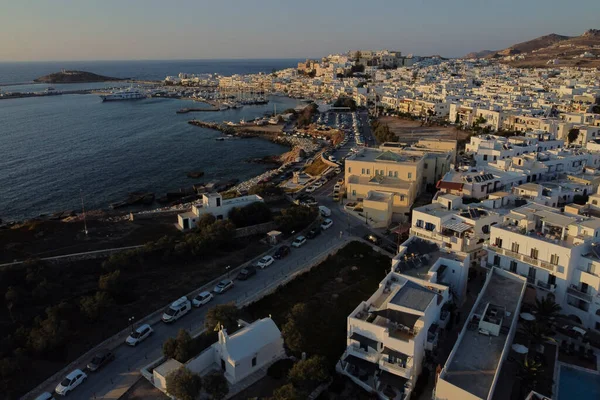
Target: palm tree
(536,332)
(529,372)
(546,309)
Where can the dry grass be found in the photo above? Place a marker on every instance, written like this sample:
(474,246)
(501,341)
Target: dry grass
(317,167)
(412,131)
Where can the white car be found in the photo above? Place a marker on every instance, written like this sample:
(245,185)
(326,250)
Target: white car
(223,286)
(318,184)
(299,241)
(326,224)
(265,262)
(139,335)
(45,396)
(338,170)
(202,298)
(71,381)
(311,189)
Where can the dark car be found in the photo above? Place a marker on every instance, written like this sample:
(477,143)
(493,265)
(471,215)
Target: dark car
(281,252)
(246,273)
(100,359)
(372,238)
(313,233)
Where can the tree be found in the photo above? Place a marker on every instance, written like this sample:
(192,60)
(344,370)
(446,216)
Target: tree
(252,214)
(573,135)
(180,348)
(13,298)
(529,372)
(309,373)
(286,392)
(546,309)
(295,218)
(184,384)
(223,314)
(112,283)
(536,332)
(52,332)
(94,306)
(215,385)
(596,109)
(205,220)
(294,331)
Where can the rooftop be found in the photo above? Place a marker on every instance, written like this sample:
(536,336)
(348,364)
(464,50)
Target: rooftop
(377,155)
(420,256)
(379,180)
(413,296)
(476,357)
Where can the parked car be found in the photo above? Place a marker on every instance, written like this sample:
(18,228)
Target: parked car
(299,241)
(311,189)
(340,181)
(281,252)
(71,381)
(246,273)
(265,262)
(139,335)
(45,396)
(313,233)
(202,298)
(223,286)
(325,212)
(326,224)
(177,309)
(101,358)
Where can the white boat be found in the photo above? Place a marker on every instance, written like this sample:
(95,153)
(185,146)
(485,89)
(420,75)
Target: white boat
(124,95)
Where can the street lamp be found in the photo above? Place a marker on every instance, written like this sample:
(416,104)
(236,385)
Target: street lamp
(131,319)
(227,269)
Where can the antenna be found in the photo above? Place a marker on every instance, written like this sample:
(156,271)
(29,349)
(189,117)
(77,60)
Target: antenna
(83,210)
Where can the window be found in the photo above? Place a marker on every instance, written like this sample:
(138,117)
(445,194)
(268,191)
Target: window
(554,259)
(362,171)
(390,174)
(513,267)
(368,171)
(534,254)
(401,197)
(354,193)
(498,242)
(349,169)
(419,223)
(485,157)
(515,247)
(410,175)
(395,174)
(254,361)
(425,166)
(429,226)
(497,260)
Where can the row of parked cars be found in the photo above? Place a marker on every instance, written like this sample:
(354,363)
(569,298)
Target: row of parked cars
(175,311)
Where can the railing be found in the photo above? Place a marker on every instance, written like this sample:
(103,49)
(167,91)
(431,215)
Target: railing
(546,286)
(357,351)
(397,369)
(579,294)
(548,266)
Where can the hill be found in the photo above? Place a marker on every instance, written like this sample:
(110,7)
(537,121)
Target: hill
(550,50)
(65,76)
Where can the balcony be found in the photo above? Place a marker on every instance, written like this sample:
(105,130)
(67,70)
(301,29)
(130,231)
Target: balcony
(397,368)
(369,355)
(575,292)
(546,286)
(547,266)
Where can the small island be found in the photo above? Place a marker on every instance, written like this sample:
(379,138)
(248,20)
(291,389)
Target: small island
(66,76)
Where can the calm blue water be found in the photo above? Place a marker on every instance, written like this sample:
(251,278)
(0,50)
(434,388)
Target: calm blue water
(52,147)
(576,384)
(21,72)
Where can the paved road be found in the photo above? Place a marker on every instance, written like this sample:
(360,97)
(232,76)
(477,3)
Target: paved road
(117,377)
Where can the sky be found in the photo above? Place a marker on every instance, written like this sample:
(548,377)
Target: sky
(57,30)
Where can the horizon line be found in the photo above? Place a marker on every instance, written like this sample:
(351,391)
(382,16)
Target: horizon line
(157,59)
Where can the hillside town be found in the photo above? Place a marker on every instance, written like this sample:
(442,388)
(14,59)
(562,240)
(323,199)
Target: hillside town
(458,262)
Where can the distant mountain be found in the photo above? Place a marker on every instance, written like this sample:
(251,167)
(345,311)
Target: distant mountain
(74,77)
(480,54)
(550,49)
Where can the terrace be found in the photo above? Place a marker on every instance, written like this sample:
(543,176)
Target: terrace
(477,355)
(419,256)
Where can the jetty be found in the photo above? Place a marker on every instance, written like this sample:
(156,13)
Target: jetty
(188,110)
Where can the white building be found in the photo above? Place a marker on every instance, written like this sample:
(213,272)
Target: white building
(389,333)
(473,366)
(556,251)
(213,203)
(252,348)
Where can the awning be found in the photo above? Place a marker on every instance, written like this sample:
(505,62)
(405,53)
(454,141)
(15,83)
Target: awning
(450,185)
(364,340)
(456,226)
(394,353)
(399,317)
(362,364)
(396,381)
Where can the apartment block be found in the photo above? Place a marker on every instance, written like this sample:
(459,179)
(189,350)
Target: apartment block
(474,364)
(556,252)
(388,335)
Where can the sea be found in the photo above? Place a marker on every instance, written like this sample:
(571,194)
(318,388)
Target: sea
(56,150)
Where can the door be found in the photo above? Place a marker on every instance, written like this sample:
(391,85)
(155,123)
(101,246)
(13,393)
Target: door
(531,275)
(223,365)
(186,223)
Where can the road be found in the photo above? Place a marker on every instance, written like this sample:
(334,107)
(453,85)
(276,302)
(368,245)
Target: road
(113,380)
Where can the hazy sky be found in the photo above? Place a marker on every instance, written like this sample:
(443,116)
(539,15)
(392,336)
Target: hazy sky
(196,29)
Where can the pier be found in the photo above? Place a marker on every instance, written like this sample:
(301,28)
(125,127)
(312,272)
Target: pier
(188,110)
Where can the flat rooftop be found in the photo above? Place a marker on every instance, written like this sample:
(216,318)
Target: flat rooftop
(477,357)
(386,156)
(420,256)
(413,296)
(382,181)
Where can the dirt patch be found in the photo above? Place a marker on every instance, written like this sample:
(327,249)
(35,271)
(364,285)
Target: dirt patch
(412,131)
(316,167)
